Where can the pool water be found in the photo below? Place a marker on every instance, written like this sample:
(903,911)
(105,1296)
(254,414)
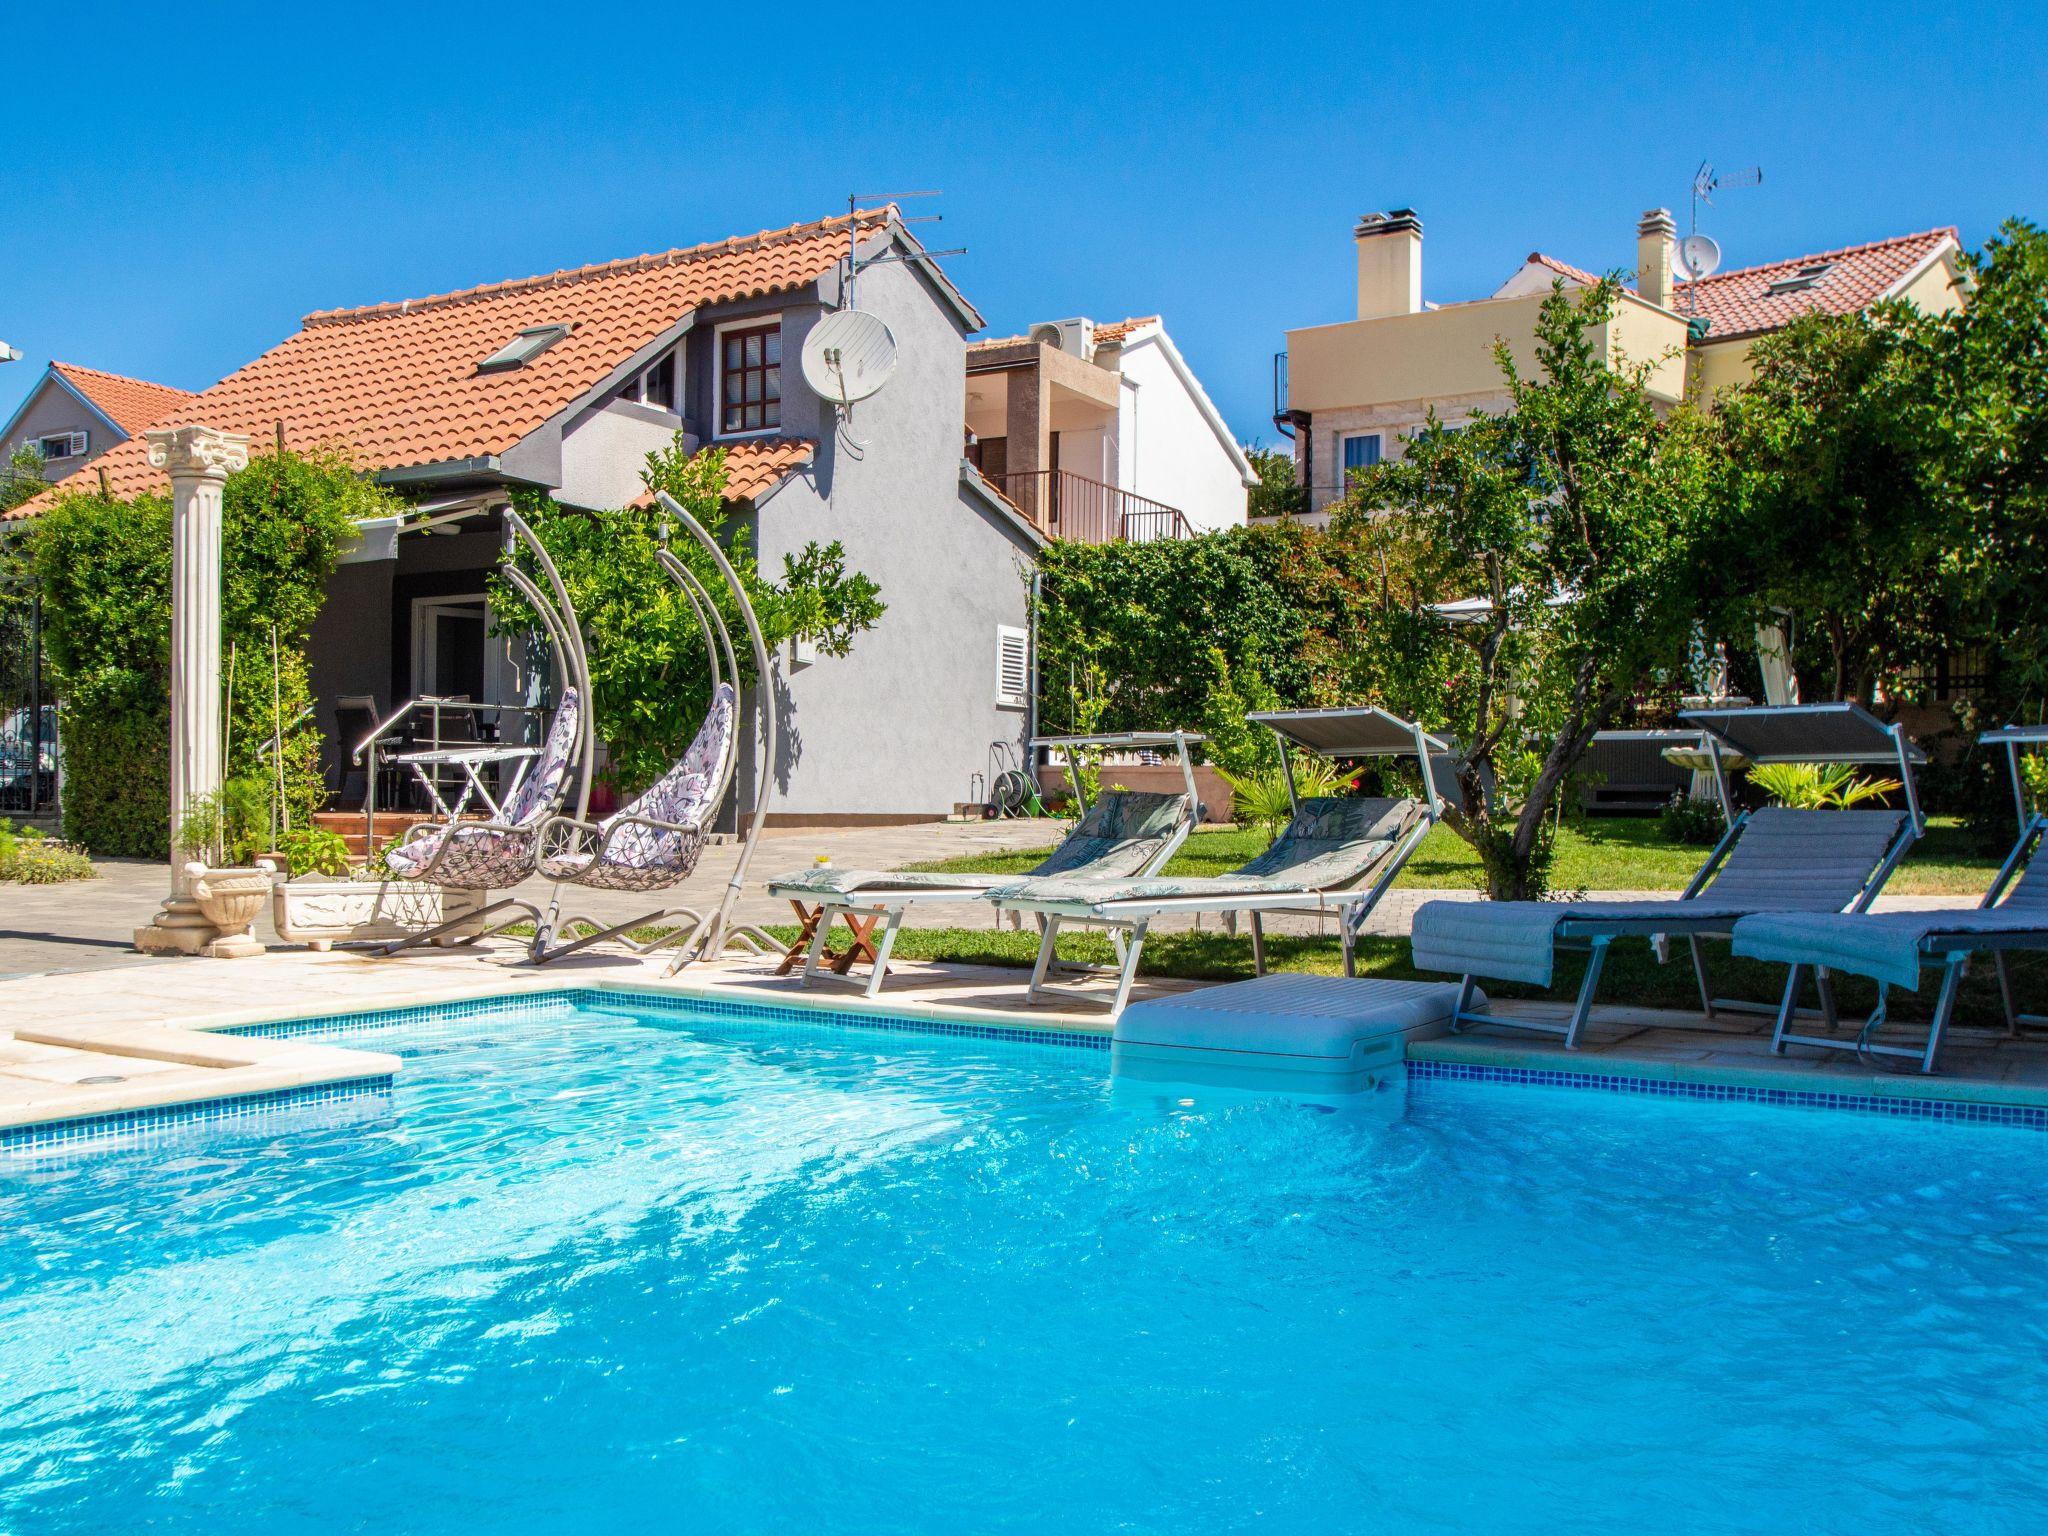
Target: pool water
(593,1270)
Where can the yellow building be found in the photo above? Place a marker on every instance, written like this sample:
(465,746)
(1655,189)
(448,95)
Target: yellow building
(1351,393)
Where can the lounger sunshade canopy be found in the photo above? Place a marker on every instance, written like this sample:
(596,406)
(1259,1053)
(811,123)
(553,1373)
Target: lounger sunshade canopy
(1362,731)
(1805,733)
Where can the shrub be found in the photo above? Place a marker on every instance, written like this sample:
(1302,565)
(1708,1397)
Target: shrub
(1686,820)
(315,851)
(33,859)
(647,658)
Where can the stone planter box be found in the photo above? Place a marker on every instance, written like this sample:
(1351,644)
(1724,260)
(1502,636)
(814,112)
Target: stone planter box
(319,911)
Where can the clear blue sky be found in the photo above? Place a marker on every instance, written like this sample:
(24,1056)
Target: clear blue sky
(181,186)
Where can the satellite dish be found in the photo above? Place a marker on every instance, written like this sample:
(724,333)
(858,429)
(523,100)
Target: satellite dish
(848,356)
(1699,256)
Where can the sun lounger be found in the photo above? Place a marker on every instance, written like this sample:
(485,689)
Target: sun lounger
(1895,948)
(1772,860)
(1336,857)
(1124,833)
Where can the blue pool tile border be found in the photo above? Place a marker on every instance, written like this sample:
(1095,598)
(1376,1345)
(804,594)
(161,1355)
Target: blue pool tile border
(131,1124)
(2022,1116)
(695,1004)
(837,1017)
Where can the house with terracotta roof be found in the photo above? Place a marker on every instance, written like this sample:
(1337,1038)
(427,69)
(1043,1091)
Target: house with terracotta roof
(563,383)
(1350,393)
(1102,432)
(74,414)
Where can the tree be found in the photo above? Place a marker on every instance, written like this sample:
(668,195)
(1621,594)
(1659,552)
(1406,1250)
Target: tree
(104,570)
(1833,510)
(1576,515)
(21,478)
(647,658)
(1989,367)
(1276,494)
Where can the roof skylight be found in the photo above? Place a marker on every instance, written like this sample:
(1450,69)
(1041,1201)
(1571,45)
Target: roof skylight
(1805,277)
(523,348)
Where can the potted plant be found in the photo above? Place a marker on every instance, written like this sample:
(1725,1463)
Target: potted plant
(229,896)
(325,902)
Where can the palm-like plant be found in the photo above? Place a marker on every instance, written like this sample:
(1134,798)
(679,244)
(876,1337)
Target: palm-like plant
(1261,798)
(1819,786)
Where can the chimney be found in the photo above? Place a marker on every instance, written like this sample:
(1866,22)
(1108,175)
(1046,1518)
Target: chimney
(1656,257)
(1389,264)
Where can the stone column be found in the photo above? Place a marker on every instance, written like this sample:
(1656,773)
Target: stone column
(198,461)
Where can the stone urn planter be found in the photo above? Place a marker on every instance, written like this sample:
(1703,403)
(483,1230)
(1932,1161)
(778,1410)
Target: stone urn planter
(321,911)
(230,899)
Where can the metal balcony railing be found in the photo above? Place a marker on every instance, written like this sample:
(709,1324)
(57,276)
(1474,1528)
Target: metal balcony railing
(1065,505)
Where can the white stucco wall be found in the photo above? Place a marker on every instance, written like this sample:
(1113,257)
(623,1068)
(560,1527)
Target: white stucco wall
(604,451)
(1167,448)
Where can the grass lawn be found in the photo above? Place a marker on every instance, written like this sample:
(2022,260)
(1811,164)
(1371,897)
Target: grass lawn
(1602,855)
(1632,975)
(1609,854)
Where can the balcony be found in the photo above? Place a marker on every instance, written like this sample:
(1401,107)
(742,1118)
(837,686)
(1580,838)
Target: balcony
(1064,505)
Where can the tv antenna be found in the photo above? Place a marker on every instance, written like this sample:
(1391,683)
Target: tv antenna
(1700,255)
(855,266)
(850,354)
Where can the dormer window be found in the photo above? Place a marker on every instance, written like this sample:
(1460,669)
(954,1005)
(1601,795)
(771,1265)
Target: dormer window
(749,377)
(655,385)
(523,348)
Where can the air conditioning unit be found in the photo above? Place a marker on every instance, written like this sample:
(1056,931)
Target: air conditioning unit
(1075,337)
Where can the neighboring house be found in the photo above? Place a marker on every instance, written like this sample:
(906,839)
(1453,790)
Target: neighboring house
(74,414)
(1103,432)
(1350,394)
(564,382)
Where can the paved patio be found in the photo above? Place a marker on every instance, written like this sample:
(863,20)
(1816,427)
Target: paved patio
(78,1006)
(90,924)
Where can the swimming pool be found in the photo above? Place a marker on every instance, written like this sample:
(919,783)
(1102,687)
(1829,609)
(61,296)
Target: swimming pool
(589,1268)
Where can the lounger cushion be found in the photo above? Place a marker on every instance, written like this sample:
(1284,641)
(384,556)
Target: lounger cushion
(1884,946)
(1784,861)
(829,881)
(1333,841)
(1121,834)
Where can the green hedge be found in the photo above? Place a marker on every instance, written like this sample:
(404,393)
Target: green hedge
(1151,636)
(104,567)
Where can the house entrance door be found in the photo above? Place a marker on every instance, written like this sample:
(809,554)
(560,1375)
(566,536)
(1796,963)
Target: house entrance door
(449,640)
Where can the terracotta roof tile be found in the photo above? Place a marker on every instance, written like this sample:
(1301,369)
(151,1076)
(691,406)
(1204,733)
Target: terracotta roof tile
(752,464)
(132,404)
(1740,303)
(397,384)
(1565,269)
(1106,334)
(1118,330)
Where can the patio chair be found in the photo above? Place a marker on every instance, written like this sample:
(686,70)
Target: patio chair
(1124,833)
(651,844)
(1329,849)
(1895,948)
(1337,857)
(466,855)
(1773,860)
